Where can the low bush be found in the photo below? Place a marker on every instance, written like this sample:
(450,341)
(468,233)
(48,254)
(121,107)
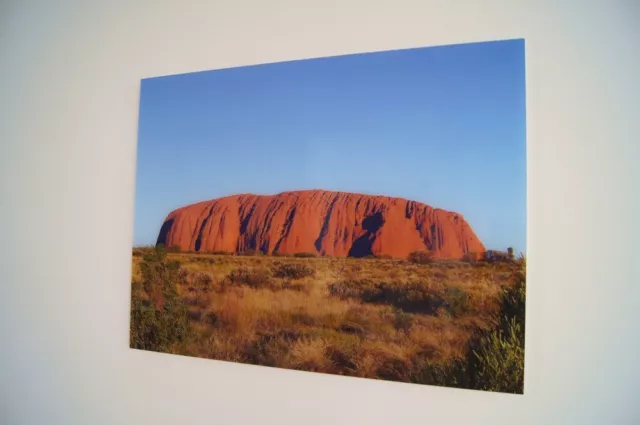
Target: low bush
(183,276)
(221,253)
(305,255)
(412,297)
(254,278)
(349,288)
(203,281)
(470,257)
(456,301)
(377,257)
(291,285)
(141,251)
(293,271)
(420,257)
(403,321)
(205,260)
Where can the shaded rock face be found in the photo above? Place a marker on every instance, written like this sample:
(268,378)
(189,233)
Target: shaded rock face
(322,222)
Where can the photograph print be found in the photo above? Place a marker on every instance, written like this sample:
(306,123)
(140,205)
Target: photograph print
(360,215)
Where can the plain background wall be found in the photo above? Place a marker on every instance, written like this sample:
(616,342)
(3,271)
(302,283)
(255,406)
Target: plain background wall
(69,81)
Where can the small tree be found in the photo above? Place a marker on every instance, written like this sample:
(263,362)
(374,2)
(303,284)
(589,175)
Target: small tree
(510,253)
(159,319)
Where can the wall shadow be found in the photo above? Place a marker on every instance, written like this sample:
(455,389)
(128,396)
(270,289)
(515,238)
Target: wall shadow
(164,231)
(362,246)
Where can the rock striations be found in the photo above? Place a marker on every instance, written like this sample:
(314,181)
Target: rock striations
(322,222)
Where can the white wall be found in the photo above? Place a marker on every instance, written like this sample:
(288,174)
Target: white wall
(69,80)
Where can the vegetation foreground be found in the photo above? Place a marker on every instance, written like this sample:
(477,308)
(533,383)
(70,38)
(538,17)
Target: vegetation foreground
(450,323)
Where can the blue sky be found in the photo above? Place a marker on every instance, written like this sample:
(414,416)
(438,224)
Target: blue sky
(440,125)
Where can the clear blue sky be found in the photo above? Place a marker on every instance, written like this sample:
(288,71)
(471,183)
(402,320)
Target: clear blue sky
(440,125)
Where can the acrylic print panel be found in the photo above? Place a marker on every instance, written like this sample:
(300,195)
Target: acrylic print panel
(359,215)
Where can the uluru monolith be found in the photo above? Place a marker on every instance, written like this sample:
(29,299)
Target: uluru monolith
(321,222)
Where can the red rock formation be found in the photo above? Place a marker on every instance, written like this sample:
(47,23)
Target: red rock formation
(322,222)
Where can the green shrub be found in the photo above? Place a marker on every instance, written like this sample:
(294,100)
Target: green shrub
(512,303)
(456,301)
(159,320)
(293,271)
(305,255)
(499,359)
(498,355)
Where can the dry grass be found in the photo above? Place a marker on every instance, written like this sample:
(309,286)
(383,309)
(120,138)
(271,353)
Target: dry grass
(373,318)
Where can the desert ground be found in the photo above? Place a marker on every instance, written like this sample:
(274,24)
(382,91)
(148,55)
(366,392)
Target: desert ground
(416,320)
